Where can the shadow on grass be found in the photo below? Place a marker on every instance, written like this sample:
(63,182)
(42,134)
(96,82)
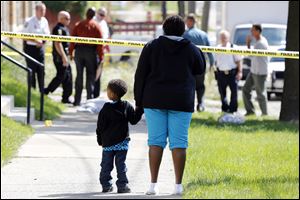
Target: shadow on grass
(250,125)
(233,179)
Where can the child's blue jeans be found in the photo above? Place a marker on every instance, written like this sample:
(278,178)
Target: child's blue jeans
(107,166)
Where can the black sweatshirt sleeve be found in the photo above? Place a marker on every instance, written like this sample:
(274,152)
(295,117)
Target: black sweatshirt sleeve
(134,116)
(200,63)
(101,124)
(141,74)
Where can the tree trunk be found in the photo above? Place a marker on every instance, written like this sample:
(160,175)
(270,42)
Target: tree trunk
(290,99)
(181,8)
(205,16)
(164,10)
(191,7)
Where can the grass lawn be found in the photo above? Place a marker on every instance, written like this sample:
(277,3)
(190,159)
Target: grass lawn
(14,82)
(259,159)
(13,134)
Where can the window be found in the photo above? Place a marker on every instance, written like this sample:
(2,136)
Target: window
(275,36)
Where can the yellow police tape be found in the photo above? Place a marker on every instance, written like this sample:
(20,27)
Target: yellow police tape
(11,53)
(98,41)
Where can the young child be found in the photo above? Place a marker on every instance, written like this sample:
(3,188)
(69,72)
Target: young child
(113,135)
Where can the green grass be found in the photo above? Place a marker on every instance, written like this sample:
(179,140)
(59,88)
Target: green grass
(14,82)
(258,159)
(13,134)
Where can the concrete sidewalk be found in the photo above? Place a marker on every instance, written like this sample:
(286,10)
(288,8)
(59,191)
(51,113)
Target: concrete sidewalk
(63,161)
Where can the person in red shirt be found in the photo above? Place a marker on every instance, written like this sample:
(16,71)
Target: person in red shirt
(86,55)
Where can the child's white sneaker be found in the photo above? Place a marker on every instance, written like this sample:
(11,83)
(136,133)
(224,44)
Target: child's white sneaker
(178,190)
(153,189)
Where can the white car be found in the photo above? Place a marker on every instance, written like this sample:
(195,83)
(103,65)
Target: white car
(275,78)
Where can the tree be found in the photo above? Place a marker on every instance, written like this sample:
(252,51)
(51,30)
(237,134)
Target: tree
(164,9)
(191,6)
(290,99)
(73,7)
(205,16)
(181,8)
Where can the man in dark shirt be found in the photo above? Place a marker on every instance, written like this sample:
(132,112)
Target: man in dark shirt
(60,58)
(198,37)
(86,55)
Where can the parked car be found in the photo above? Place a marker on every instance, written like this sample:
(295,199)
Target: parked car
(275,78)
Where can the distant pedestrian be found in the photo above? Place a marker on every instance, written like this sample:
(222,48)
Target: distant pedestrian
(258,73)
(198,37)
(101,20)
(86,55)
(60,53)
(36,48)
(229,72)
(113,135)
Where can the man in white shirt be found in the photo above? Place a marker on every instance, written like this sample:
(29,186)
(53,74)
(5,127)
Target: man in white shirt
(229,72)
(258,73)
(35,48)
(100,18)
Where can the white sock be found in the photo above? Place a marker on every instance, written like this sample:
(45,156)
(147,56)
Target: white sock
(153,185)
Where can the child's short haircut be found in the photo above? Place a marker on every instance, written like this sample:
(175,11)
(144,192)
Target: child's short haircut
(118,87)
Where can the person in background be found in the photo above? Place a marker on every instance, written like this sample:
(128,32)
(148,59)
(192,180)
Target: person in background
(86,55)
(258,73)
(229,72)
(198,37)
(36,48)
(60,52)
(101,20)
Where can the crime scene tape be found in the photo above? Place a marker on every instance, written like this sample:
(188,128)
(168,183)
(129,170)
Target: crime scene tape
(11,53)
(113,42)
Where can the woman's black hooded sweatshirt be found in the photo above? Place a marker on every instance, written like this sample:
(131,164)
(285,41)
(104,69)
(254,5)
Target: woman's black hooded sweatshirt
(165,75)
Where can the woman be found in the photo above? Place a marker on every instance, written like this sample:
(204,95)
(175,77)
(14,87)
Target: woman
(165,87)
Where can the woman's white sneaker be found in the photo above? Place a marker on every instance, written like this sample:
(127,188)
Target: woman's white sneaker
(178,190)
(153,189)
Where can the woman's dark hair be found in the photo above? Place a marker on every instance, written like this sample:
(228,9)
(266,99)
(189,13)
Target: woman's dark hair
(257,27)
(118,87)
(174,25)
